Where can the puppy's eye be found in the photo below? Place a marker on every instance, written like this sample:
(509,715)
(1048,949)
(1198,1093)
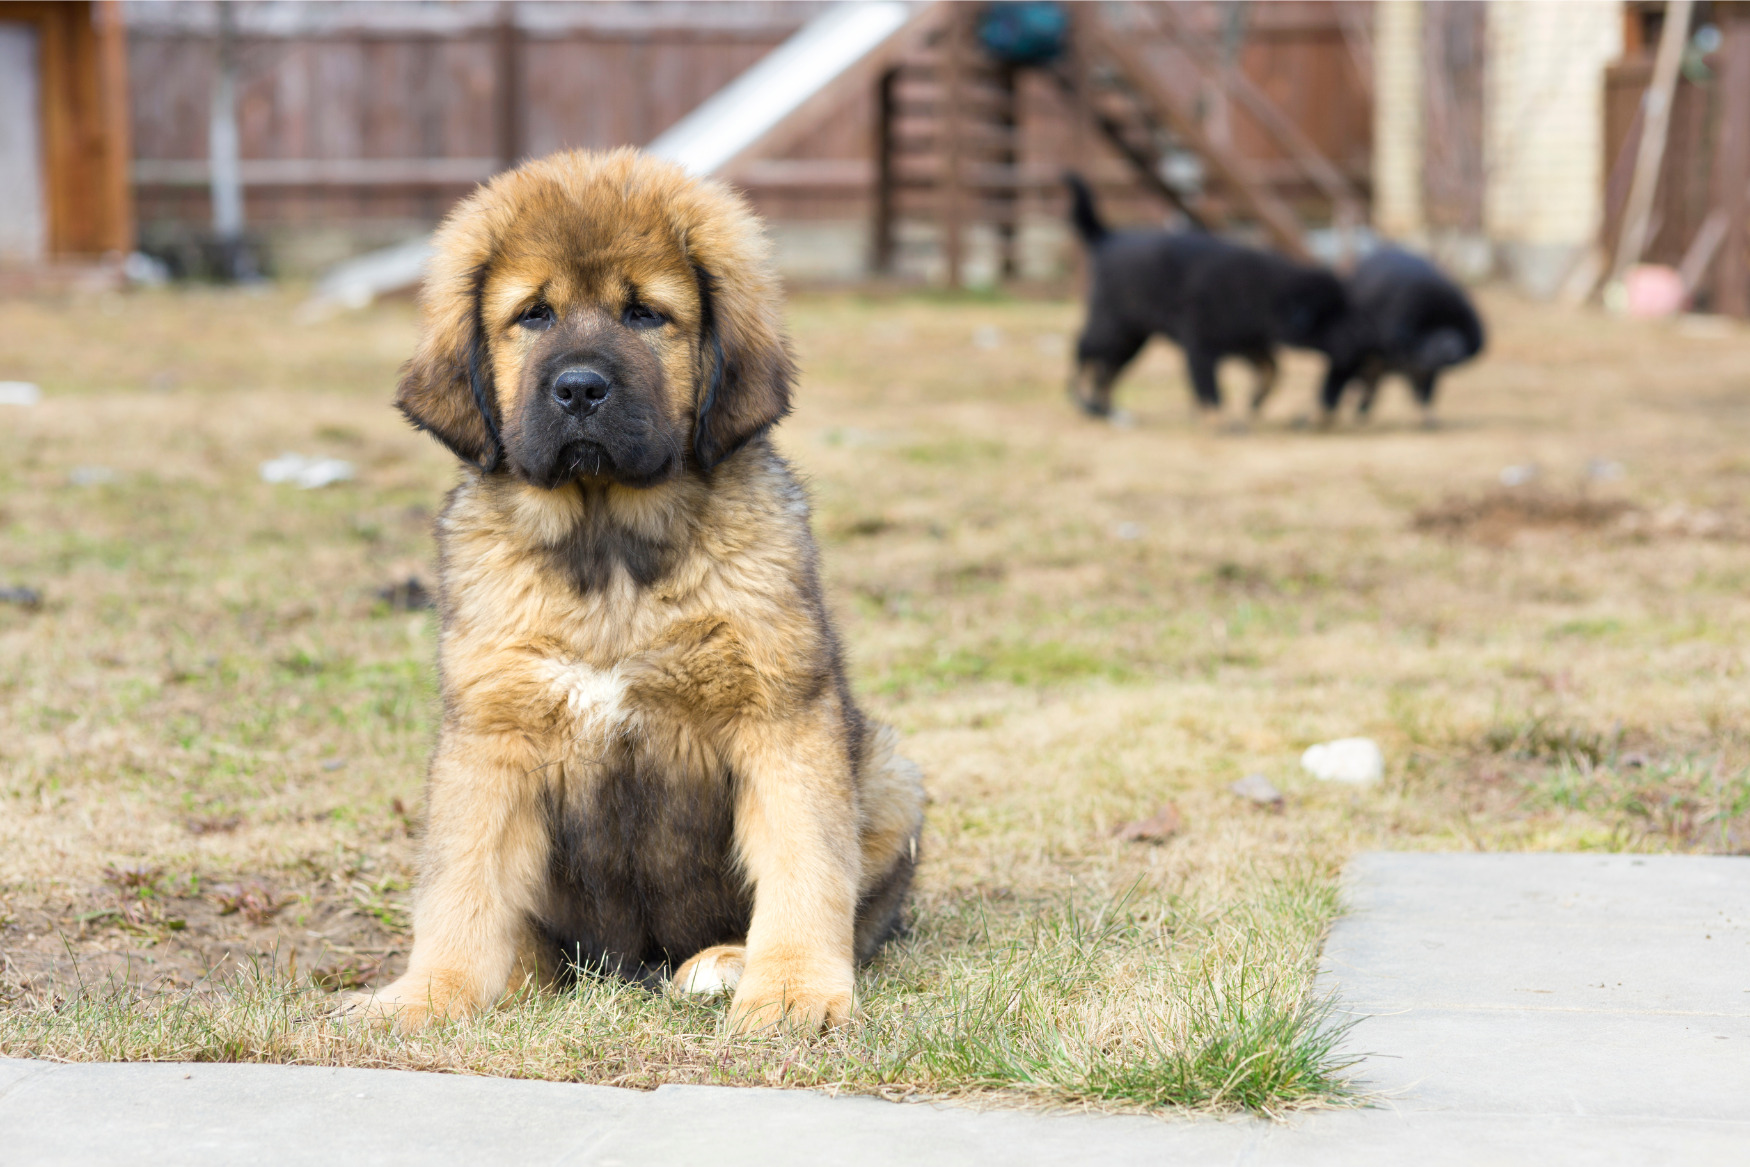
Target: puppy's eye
(643,316)
(536,316)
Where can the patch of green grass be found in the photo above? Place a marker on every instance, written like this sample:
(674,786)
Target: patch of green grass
(1541,737)
(1596,629)
(1023,663)
(1687,801)
(955,452)
(1138,1003)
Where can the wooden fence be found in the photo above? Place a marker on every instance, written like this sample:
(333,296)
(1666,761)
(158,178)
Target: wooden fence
(392,111)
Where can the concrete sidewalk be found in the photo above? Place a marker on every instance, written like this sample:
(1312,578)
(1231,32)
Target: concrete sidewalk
(1520,1009)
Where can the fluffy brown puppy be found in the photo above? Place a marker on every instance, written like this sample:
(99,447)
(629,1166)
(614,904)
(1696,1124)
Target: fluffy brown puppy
(649,763)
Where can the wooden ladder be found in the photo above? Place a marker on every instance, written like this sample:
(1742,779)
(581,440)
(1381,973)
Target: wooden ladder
(947,147)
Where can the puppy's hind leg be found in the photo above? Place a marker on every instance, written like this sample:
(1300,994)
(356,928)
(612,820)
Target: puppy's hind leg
(890,814)
(710,971)
(1200,366)
(1369,393)
(1423,386)
(1268,374)
(1337,378)
(1090,389)
(1099,361)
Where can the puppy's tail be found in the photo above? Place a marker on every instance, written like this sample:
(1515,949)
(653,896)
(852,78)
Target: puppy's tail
(1082,212)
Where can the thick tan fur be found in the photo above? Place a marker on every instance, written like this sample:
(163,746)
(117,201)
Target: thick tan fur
(635,649)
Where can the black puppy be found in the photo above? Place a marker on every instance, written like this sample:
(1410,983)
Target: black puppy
(1405,317)
(1213,298)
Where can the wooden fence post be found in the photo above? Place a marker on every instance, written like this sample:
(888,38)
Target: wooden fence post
(507,91)
(1732,160)
(953,122)
(882,251)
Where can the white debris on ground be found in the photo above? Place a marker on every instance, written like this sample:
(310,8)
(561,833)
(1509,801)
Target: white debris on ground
(1604,470)
(1128,530)
(90,476)
(306,473)
(1356,760)
(1259,789)
(988,338)
(1518,475)
(144,271)
(19,393)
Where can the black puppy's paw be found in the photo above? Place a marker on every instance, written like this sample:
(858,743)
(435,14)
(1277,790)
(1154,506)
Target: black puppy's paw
(1091,406)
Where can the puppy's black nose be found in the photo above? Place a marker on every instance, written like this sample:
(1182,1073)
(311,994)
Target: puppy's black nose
(580,391)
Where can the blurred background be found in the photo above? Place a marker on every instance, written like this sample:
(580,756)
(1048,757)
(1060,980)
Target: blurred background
(922,142)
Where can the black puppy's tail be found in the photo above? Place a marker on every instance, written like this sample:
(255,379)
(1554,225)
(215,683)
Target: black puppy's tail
(1082,210)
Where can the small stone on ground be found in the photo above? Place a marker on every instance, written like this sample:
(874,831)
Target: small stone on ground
(1259,789)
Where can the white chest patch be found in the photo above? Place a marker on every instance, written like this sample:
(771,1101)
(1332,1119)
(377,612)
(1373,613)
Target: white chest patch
(595,699)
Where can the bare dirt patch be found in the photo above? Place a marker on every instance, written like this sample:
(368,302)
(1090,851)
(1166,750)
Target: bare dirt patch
(1500,516)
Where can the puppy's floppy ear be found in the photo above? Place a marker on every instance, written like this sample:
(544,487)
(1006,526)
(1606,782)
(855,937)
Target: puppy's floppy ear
(446,389)
(747,368)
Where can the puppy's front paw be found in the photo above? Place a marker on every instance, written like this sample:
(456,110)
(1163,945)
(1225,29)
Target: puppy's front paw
(408,1004)
(793,996)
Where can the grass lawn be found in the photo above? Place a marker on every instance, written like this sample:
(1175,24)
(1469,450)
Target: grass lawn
(213,728)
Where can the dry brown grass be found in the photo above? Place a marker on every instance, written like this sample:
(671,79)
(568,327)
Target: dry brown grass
(212,732)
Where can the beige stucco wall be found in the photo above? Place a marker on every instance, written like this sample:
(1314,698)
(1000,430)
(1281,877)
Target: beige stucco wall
(1397,120)
(1543,133)
(1544,130)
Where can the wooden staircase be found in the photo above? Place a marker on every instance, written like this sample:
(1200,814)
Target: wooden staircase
(948,135)
(947,146)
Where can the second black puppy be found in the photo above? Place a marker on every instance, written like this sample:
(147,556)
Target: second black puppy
(1213,298)
(1405,317)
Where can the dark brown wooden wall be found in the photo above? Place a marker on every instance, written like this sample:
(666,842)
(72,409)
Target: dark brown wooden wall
(1685,191)
(84,91)
(417,98)
(357,99)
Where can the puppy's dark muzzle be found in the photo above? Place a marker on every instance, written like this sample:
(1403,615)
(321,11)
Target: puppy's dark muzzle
(580,392)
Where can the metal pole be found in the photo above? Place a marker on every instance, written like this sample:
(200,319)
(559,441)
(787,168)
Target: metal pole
(223,151)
